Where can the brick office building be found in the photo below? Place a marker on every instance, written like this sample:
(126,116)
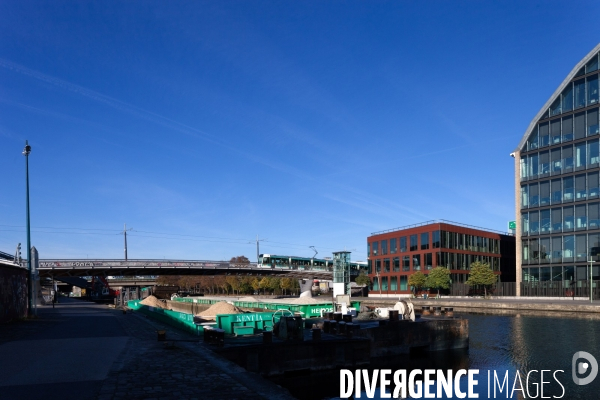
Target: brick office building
(395,254)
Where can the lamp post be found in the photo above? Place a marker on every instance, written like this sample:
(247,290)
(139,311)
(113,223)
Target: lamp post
(591,281)
(26,152)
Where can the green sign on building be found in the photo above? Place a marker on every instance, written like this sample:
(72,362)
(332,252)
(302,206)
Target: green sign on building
(512,225)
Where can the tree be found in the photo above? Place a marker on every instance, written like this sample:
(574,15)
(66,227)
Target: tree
(362,279)
(255,283)
(274,284)
(239,260)
(286,284)
(417,280)
(234,282)
(438,278)
(265,283)
(481,274)
(168,280)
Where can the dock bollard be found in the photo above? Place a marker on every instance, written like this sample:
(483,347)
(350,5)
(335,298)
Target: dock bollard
(425,310)
(268,337)
(438,311)
(393,315)
(349,330)
(337,316)
(326,326)
(161,336)
(341,328)
(316,334)
(449,312)
(328,315)
(347,318)
(333,327)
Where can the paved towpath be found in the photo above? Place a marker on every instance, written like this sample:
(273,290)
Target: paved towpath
(81,350)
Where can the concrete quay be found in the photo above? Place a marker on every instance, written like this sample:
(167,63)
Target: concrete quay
(82,350)
(514,305)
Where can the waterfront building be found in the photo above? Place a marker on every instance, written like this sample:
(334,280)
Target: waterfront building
(557,185)
(396,254)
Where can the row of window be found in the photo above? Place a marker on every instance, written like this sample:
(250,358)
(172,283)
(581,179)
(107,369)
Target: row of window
(561,160)
(394,283)
(561,190)
(413,240)
(564,129)
(561,219)
(414,262)
(462,241)
(575,95)
(557,249)
(443,239)
(566,274)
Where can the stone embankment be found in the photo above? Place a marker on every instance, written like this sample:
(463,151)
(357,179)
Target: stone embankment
(501,306)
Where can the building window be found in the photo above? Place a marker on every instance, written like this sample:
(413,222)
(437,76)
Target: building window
(368,249)
(413,243)
(393,283)
(435,239)
(384,283)
(556,215)
(383,247)
(545,226)
(568,248)
(428,261)
(393,246)
(579,93)
(416,262)
(425,241)
(396,264)
(403,244)
(568,219)
(403,282)
(567,129)
(386,265)
(405,263)
(568,189)
(370,266)
(592,89)
(377,265)
(375,248)
(594,215)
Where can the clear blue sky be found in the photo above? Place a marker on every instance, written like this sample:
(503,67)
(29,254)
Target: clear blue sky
(308,123)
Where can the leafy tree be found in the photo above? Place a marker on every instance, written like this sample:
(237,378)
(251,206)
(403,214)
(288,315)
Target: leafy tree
(239,260)
(265,283)
(286,284)
(417,280)
(274,283)
(481,274)
(438,278)
(168,280)
(362,279)
(234,282)
(255,283)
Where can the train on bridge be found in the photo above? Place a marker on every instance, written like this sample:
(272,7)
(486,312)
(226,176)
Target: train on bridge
(303,263)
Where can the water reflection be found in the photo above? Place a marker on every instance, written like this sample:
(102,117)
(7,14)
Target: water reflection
(527,342)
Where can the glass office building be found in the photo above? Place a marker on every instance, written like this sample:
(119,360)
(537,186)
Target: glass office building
(557,183)
(395,254)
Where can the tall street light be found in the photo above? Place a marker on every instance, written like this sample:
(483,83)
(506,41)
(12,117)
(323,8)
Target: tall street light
(26,152)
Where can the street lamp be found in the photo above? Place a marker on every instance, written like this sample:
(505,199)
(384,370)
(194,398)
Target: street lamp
(26,152)
(591,281)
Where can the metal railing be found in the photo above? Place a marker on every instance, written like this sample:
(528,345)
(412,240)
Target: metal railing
(442,221)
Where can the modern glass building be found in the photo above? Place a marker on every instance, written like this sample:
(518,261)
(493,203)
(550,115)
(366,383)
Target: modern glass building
(395,254)
(557,183)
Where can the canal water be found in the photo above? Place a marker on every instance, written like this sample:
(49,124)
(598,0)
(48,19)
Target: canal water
(497,343)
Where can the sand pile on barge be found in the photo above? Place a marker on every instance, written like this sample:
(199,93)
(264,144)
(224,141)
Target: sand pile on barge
(154,302)
(221,307)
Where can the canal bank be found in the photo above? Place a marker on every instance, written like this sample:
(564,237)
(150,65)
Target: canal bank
(503,306)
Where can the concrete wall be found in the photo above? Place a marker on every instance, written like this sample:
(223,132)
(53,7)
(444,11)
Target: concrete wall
(13,293)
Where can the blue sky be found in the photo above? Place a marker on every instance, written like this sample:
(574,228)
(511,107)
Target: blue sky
(203,124)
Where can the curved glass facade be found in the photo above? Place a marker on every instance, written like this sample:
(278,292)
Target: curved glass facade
(558,184)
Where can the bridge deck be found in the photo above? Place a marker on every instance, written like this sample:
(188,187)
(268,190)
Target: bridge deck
(168,267)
